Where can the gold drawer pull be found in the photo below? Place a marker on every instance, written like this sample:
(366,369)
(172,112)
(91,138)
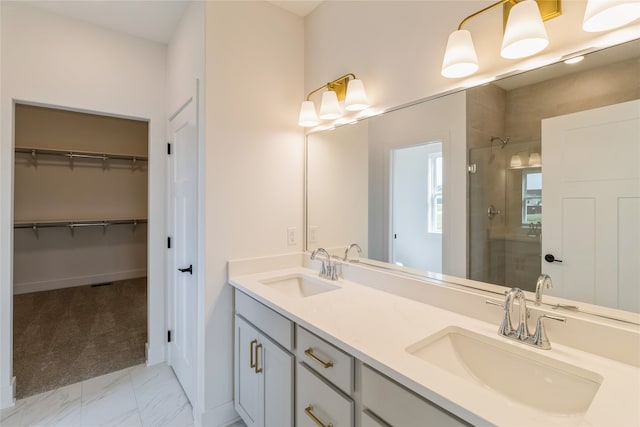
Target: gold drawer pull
(309,352)
(258,369)
(252,363)
(309,411)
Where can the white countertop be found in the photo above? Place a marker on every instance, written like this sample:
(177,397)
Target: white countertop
(376,327)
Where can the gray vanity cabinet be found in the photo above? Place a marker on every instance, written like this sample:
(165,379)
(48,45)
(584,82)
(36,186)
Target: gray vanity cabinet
(331,387)
(263,368)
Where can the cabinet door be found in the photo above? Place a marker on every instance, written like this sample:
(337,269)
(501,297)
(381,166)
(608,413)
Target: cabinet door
(277,375)
(248,399)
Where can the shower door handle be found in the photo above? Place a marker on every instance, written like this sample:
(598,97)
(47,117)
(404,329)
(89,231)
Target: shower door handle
(187,270)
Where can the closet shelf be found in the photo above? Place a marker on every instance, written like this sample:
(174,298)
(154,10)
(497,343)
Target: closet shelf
(73,225)
(71,154)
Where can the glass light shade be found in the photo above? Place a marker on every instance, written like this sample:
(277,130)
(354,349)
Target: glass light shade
(534,159)
(356,99)
(308,116)
(603,15)
(460,58)
(330,108)
(516,162)
(525,34)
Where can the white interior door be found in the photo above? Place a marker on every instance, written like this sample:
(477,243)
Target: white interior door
(591,205)
(183,274)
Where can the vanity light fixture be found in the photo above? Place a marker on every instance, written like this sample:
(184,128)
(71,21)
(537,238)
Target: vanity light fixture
(347,88)
(534,159)
(603,15)
(524,35)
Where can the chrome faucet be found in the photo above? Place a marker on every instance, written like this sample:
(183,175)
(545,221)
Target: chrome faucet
(351,246)
(328,270)
(521,333)
(544,282)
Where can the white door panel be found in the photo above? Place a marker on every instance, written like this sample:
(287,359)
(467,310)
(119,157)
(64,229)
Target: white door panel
(183,287)
(591,205)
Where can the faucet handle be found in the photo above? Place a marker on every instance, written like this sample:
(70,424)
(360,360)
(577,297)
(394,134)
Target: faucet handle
(540,338)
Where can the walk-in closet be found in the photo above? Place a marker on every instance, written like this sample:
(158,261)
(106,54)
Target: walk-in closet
(80,246)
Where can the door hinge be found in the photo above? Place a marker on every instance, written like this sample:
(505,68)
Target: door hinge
(168,336)
(168,242)
(168,148)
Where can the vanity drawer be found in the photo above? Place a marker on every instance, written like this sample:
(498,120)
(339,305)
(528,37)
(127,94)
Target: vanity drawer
(276,326)
(316,398)
(326,359)
(397,406)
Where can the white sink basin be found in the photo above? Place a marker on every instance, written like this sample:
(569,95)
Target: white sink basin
(299,285)
(522,375)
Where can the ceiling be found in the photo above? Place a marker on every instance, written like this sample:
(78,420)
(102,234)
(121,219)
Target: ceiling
(154,20)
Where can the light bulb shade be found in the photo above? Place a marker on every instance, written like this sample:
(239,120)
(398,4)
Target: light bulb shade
(516,161)
(534,159)
(603,15)
(356,99)
(525,34)
(460,58)
(308,116)
(330,108)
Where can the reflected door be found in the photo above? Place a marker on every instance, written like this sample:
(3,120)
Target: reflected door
(416,206)
(591,196)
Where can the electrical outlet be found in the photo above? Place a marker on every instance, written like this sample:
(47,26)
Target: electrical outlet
(292,238)
(313,234)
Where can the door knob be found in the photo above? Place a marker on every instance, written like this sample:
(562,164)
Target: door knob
(186,270)
(551,258)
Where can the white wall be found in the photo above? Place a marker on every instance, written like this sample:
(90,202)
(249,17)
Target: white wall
(254,164)
(397,47)
(58,61)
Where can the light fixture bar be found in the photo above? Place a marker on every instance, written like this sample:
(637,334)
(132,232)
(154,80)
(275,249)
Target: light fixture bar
(339,86)
(481,11)
(548,9)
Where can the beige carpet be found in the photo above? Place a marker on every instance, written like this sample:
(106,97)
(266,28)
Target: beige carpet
(68,335)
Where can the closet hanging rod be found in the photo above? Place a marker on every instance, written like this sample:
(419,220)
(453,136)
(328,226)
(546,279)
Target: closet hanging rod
(79,154)
(74,224)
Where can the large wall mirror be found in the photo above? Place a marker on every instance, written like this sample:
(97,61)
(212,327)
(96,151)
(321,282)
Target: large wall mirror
(535,173)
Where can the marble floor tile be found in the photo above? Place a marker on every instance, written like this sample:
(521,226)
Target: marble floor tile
(140,396)
(109,400)
(11,417)
(61,407)
(160,398)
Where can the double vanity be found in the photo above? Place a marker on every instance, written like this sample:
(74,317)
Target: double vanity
(378,348)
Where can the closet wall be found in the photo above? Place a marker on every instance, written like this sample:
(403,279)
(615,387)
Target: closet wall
(56,188)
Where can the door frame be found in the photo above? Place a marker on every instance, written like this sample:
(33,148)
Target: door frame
(156,305)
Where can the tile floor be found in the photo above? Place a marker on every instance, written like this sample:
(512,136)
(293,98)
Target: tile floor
(139,396)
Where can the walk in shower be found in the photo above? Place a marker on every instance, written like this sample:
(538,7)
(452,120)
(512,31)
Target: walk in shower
(505,214)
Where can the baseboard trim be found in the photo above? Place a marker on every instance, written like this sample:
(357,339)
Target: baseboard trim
(222,416)
(7,394)
(70,282)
